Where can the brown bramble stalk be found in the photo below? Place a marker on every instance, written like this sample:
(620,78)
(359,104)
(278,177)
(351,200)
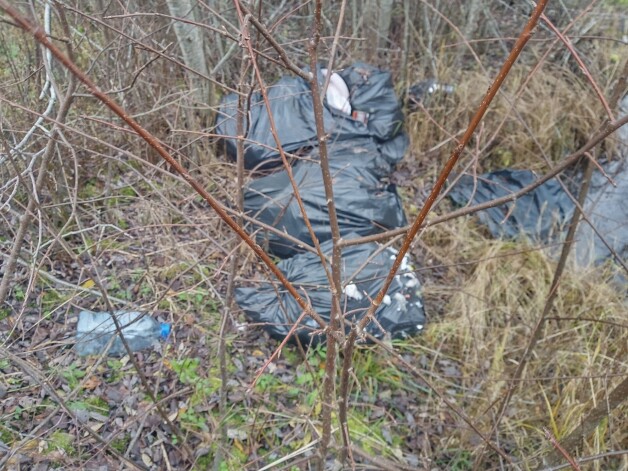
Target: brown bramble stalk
(358,330)
(335,328)
(549,302)
(153,142)
(243,109)
(561,450)
(560,267)
(492,91)
(246,41)
(590,422)
(533,72)
(582,66)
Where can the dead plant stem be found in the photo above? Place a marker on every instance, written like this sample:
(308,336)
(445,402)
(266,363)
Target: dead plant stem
(233,267)
(246,40)
(358,330)
(153,142)
(549,302)
(588,424)
(335,327)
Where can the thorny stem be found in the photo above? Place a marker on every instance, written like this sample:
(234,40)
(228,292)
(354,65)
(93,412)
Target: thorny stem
(578,213)
(246,40)
(590,421)
(581,64)
(335,325)
(604,131)
(222,346)
(440,182)
(557,446)
(40,36)
(549,302)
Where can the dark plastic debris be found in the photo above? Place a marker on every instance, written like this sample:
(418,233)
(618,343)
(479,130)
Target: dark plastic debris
(376,114)
(543,214)
(539,214)
(363,121)
(364,204)
(400,315)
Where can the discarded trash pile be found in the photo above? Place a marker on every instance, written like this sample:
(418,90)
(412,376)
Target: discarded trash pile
(363,120)
(364,268)
(543,214)
(364,203)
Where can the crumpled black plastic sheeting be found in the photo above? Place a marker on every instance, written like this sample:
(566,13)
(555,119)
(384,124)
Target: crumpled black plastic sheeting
(539,214)
(371,91)
(364,204)
(606,207)
(401,313)
(543,214)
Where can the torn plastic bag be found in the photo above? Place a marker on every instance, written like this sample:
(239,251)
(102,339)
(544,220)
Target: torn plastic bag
(371,91)
(364,205)
(401,313)
(337,94)
(607,209)
(371,94)
(543,214)
(539,214)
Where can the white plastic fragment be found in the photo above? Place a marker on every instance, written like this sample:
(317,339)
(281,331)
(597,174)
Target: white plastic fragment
(337,93)
(353,292)
(401,300)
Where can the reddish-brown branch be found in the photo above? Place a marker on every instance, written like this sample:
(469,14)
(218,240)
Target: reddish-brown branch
(442,178)
(153,142)
(561,450)
(358,330)
(606,130)
(582,66)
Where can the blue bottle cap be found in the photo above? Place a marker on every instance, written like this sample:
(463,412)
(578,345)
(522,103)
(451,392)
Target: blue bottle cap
(165,330)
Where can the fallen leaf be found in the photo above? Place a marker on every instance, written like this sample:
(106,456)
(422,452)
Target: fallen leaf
(147,460)
(92,383)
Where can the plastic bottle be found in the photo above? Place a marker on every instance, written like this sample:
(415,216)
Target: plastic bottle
(95,330)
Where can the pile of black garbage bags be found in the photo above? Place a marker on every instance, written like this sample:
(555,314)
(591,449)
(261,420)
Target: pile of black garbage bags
(364,124)
(543,215)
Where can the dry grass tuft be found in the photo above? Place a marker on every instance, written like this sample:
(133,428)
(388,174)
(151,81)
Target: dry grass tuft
(487,324)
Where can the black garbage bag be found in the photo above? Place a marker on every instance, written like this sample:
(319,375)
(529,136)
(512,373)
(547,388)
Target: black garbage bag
(543,214)
(371,93)
(401,313)
(364,204)
(606,208)
(539,215)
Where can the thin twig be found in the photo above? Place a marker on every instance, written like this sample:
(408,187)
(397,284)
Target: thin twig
(152,141)
(581,64)
(549,302)
(358,330)
(335,326)
(561,450)
(603,132)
